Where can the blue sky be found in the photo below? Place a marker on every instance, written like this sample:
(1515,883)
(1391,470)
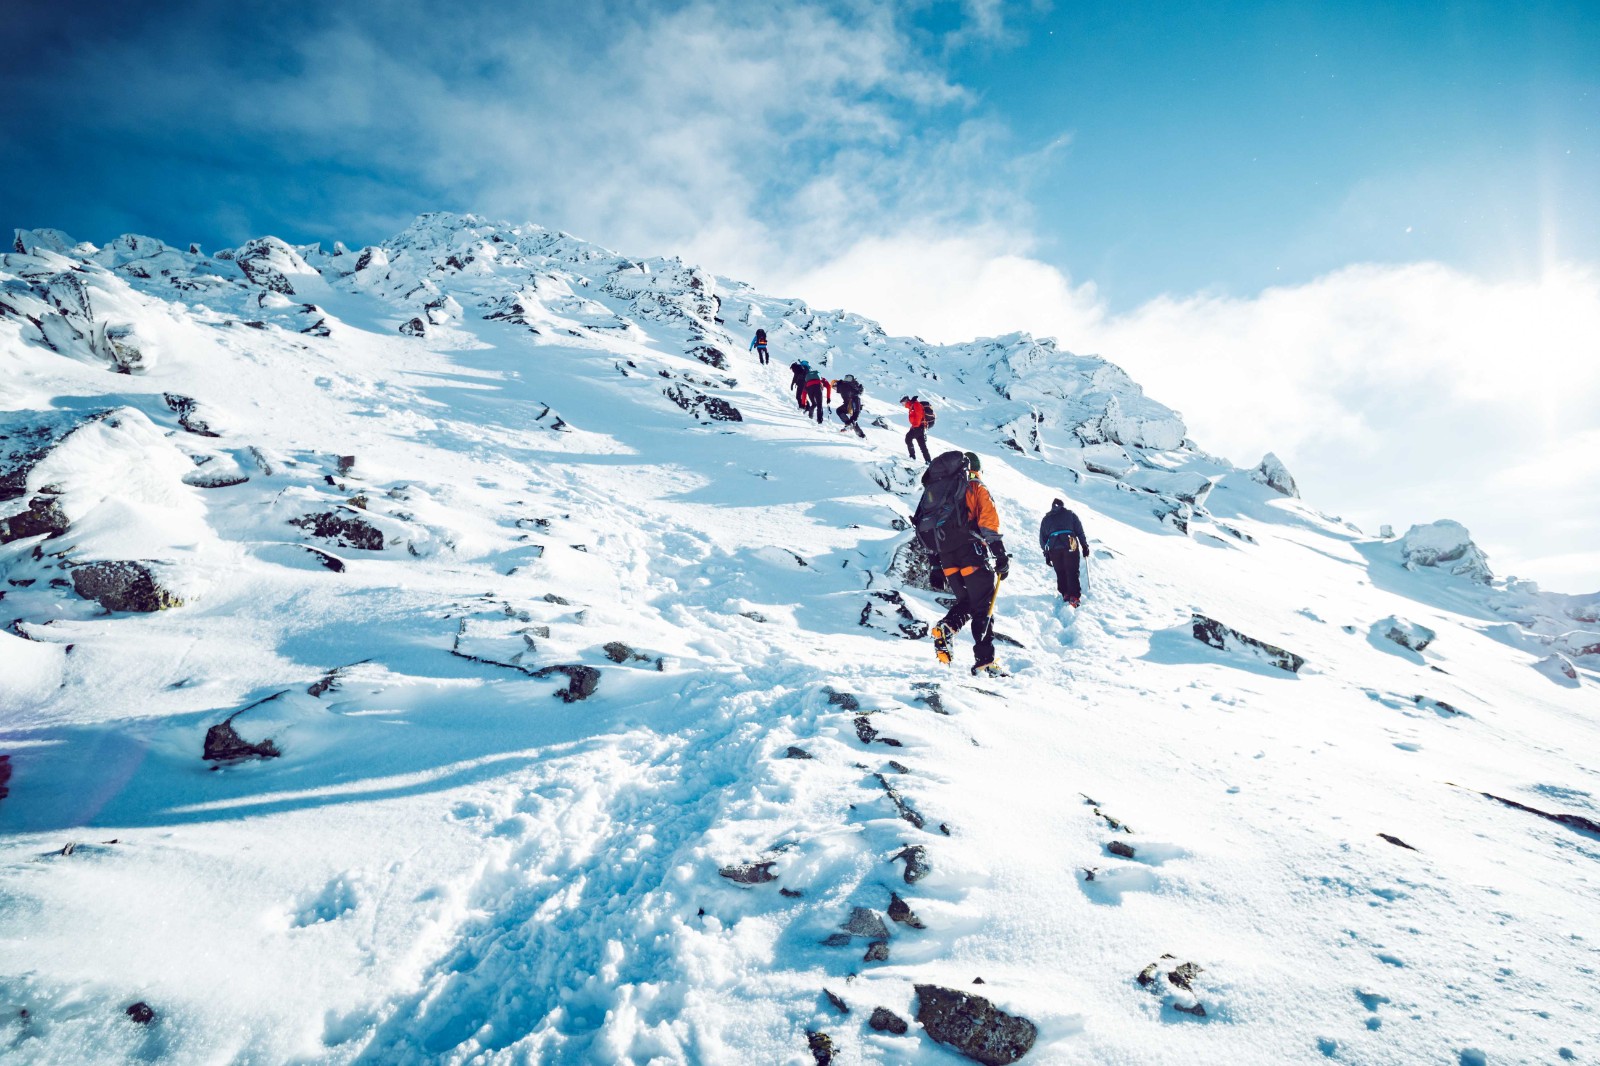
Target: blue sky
(1301,214)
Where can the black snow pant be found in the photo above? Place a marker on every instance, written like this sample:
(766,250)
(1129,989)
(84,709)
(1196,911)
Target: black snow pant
(814,401)
(800,394)
(975,595)
(920,436)
(761,350)
(1065,563)
(850,413)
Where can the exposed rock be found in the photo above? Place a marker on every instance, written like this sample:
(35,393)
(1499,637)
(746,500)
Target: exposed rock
(885,608)
(791,893)
(1184,486)
(1445,545)
(887,1021)
(899,767)
(1118,848)
(141,1013)
(414,327)
(844,700)
(190,414)
(917,865)
(223,743)
(1558,668)
(329,682)
(750,873)
(1397,842)
(5,776)
(1272,473)
(864,921)
(709,356)
(821,1045)
(838,1004)
(1571,821)
(928,695)
(864,731)
(974,1026)
(908,812)
(1196,1009)
(701,406)
(1406,634)
(900,911)
(912,565)
(797,753)
(1183,976)
(877,951)
(24,444)
(1108,459)
(1212,632)
(43,517)
(122,586)
(619,652)
(347,531)
(581,681)
(836,940)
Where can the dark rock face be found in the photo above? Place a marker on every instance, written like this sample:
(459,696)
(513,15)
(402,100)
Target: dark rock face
(141,1013)
(749,873)
(913,565)
(877,951)
(900,911)
(974,1026)
(43,517)
(709,356)
(189,418)
(1406,634)
(619,652)
(224,744)
(5,776)
(1212,632)
(917,865)
(887,1021)
(907,811)
(1571,821)
(838,1004)
(797,753)
(1272,473)
(845,700)
(864,731)
(887,607)
(1118,848)
(413,328)
(23,445)
(122,586)
(582,681)
(864,921)
(701,406)
(347,531)
(821,1045)
(1397,842)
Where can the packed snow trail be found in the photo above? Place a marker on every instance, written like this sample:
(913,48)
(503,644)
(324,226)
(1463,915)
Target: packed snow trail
(447,863)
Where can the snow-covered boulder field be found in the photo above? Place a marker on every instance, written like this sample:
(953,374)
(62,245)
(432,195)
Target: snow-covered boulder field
(462,650)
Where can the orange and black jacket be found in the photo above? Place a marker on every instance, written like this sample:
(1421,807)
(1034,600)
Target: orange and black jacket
(984,521)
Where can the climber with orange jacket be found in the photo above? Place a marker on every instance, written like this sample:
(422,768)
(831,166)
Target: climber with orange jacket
(957,522)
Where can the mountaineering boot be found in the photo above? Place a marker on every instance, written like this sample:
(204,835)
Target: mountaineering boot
(941,643)
(988,670)
(1072,601)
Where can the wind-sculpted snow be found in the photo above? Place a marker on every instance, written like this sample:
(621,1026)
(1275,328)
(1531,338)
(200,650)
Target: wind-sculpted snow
(461,650)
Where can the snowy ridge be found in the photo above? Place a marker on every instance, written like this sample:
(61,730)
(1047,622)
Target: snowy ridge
(563,698)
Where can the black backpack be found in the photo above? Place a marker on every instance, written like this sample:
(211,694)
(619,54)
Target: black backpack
(927,413)
(941,517)
(761,336)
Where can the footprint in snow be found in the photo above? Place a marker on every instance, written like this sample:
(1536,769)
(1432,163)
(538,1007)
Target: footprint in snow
(337,898)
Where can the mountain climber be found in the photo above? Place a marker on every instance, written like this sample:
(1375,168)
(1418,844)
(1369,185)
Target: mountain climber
(799,369)
(957,522)
(759,343)
(1062,540)
(815,384)
(921,415)
(849,410)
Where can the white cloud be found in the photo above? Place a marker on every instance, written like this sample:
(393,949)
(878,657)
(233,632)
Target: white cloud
(1396,394)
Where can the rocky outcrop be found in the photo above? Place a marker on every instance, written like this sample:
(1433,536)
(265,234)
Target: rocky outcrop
(1559,668)
(1408,635)
(43,517)
(1445,545)
(907,811)
(1212,632)
(821,1046)
(1272,473)
(345,530)
(900,911)
(123,586)
(703,407)
(1178,986)
(886,609)
(223,743)
(413,327)
(912,565)
(709,356)
(191,415)
(917,865)
(582,681)
(974,1026)
(749,873)
(884,1020)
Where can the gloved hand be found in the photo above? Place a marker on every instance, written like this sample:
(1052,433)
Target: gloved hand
(1002,564)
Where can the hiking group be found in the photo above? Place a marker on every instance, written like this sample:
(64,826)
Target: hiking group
(956,520)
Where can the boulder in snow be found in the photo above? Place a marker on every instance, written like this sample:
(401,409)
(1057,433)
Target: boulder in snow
(886,609)
(866,922)
(821,1046)
(1182,485)
(1108,459)
(43,517)
(917,865)
(123,586)
(1448,546)
(1558,668)
(1212,632)
(703,407)
(1272,473)
(884,1020)
(974,1026)
(192,415)
(582,681)
(900,911)
(749,873)
(1406,634)
(347,531)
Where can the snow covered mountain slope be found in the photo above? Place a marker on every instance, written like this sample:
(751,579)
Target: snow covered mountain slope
(531,683)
